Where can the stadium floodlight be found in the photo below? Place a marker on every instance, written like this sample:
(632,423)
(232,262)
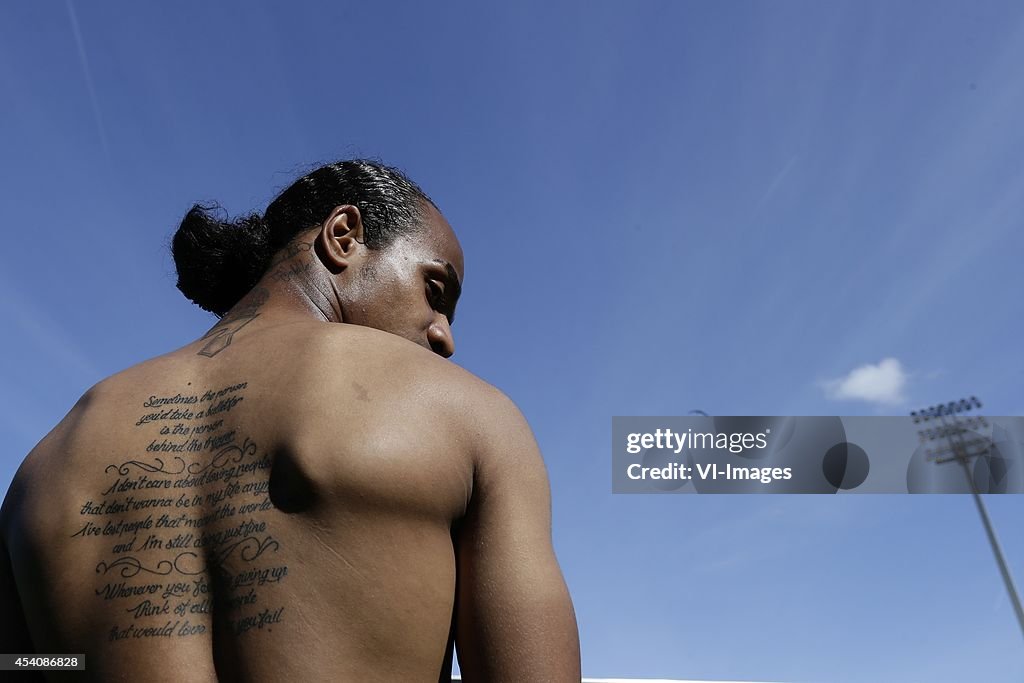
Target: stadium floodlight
(964,451)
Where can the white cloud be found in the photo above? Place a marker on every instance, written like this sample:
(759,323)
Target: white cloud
(882,383)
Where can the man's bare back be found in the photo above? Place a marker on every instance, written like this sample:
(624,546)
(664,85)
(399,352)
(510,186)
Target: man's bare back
(288,499)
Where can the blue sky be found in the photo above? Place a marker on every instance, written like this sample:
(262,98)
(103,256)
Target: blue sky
(751,208)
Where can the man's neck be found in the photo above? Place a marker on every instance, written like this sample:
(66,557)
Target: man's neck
(290,289)
(299,286)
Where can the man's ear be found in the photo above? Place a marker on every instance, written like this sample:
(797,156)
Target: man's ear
(341,238)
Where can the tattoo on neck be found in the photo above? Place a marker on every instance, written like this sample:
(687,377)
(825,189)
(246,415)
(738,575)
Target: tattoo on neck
(289,250)
(292,272)
(244,312)
(295,270)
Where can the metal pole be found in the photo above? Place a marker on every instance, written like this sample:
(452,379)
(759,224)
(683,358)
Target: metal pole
(961,454)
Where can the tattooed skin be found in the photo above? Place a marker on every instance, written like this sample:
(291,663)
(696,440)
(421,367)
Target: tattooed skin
(290,250)
(285,269)
(221,334)
(184,527)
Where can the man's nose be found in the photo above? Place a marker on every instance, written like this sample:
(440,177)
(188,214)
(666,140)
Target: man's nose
(439,334)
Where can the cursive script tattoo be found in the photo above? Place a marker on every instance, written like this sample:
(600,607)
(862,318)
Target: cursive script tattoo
(186,537)
(290,250)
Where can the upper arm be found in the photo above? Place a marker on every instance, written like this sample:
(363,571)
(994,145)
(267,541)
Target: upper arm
(514,618)
(14,636)
(14,633)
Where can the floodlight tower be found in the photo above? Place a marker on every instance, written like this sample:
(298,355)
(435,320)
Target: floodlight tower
(957,447)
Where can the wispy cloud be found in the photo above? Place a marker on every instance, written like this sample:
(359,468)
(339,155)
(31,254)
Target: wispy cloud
(30,322)
(776,183)
(88,77)
(882,383)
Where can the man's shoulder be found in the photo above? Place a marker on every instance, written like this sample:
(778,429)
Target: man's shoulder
(370,363)
(307,357)
(385,358)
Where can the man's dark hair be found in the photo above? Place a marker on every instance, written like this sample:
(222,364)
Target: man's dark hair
(219,260)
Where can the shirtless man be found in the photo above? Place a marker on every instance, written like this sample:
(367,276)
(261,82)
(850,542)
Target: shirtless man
(302,494)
